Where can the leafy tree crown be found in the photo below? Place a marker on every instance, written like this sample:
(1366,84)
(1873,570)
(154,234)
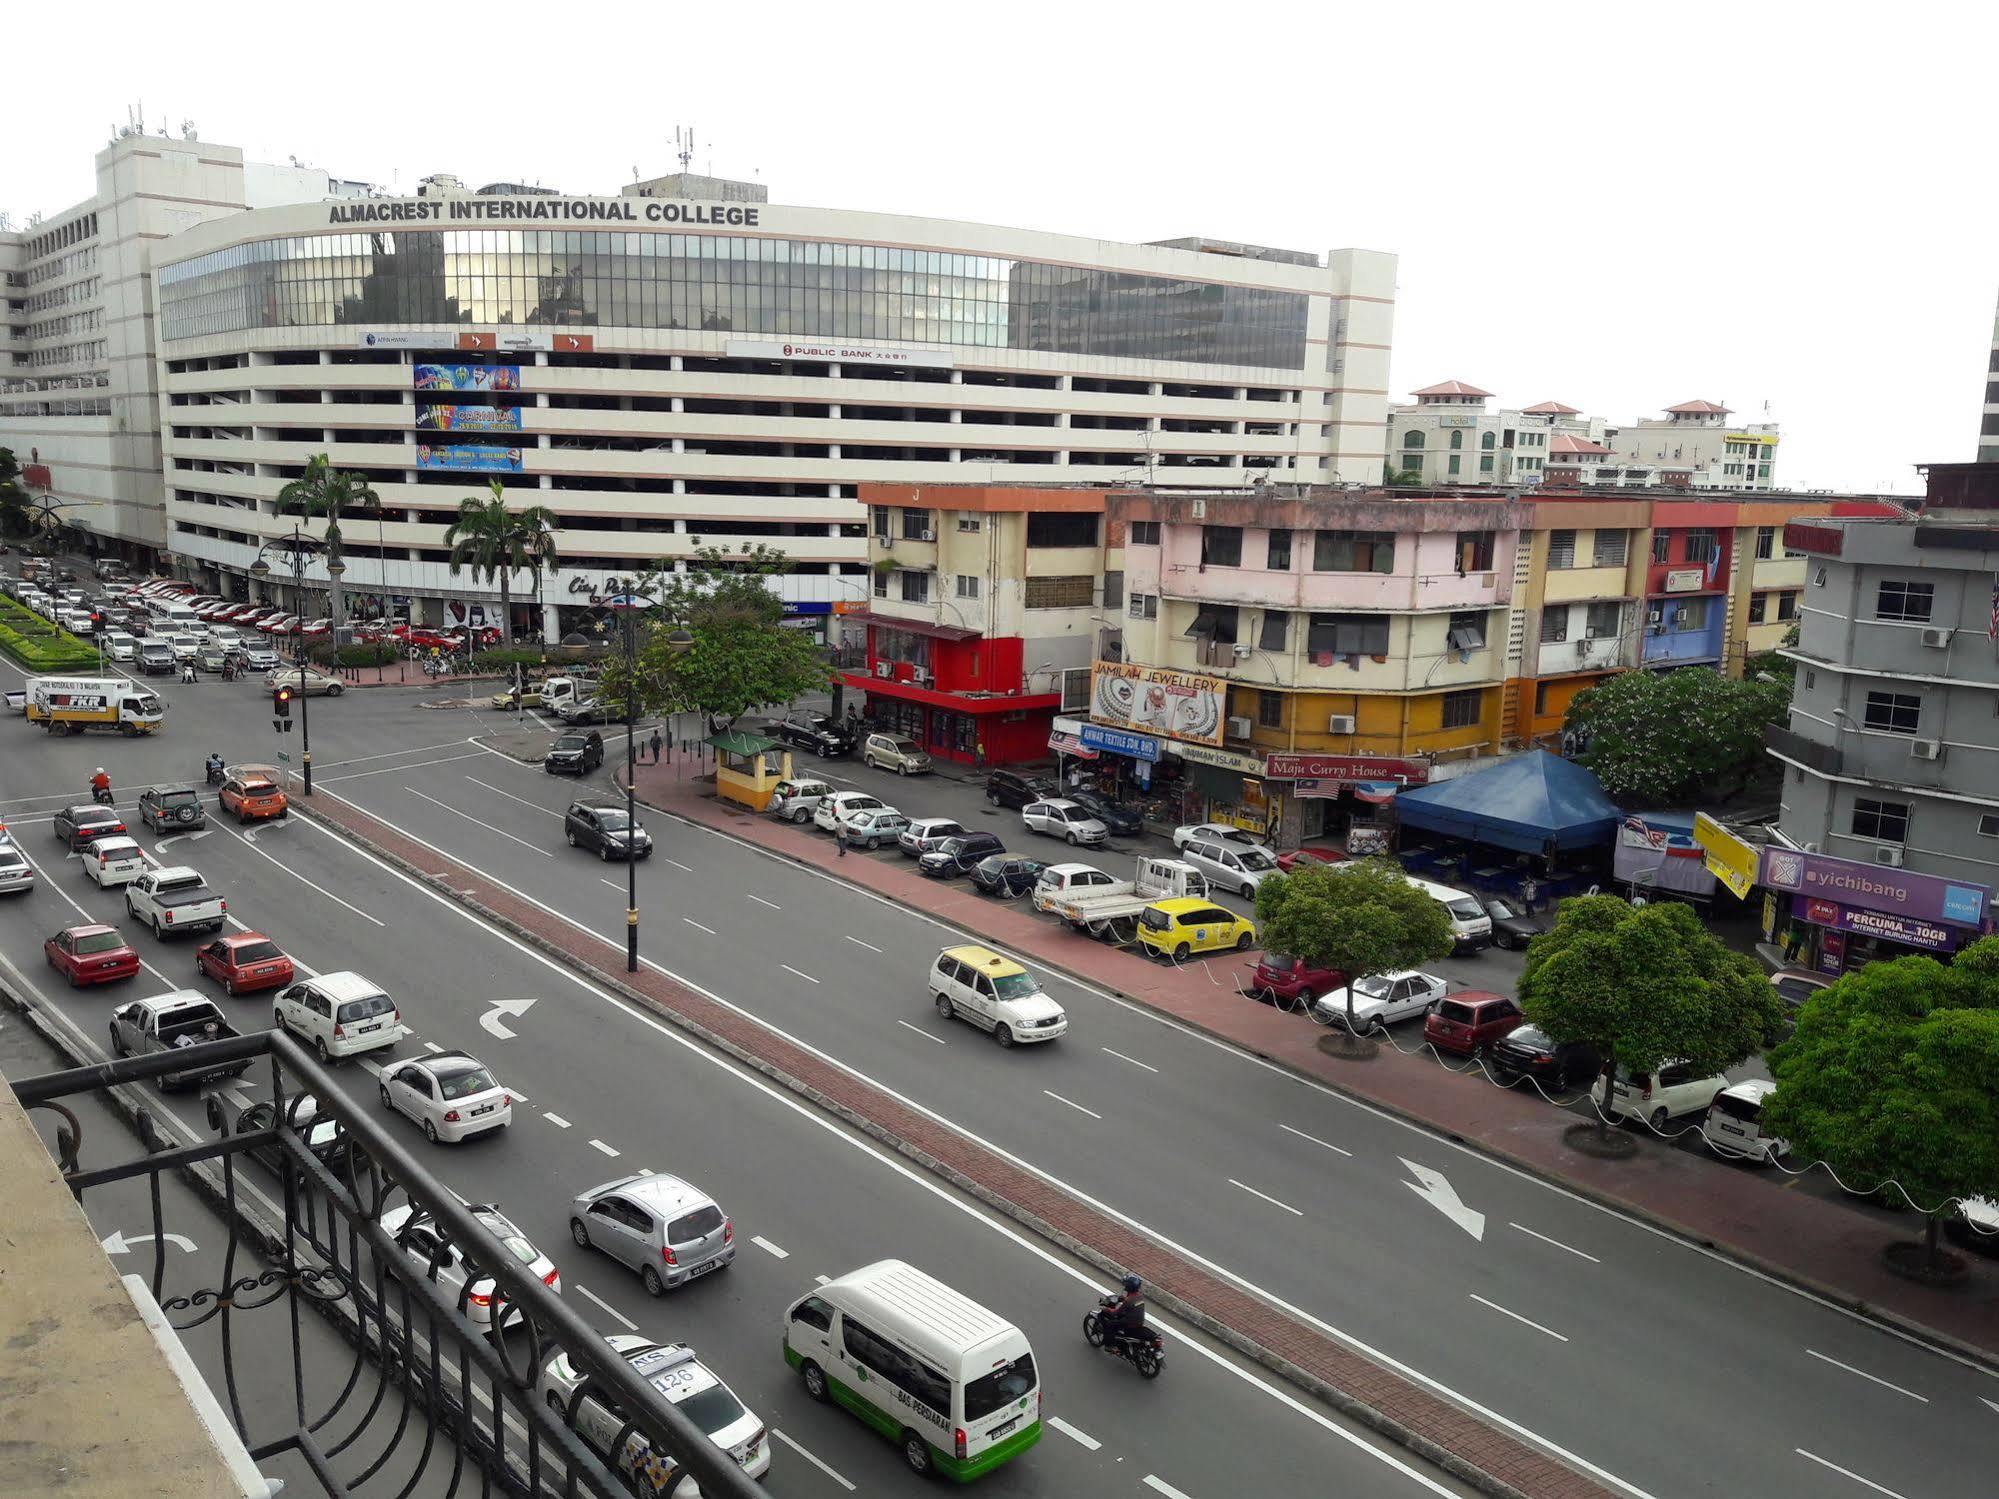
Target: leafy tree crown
(1358,918)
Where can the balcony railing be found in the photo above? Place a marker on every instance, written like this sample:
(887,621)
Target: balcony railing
(424,1381)
(1813,754)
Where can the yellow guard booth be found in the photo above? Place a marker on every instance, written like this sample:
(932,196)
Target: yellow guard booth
(748,767)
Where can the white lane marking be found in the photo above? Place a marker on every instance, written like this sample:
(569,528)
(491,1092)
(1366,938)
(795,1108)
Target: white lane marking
(1133,1060)
(421,749)
(1081,1438)
(1525,1321)
(1073,1104)
(531,806)
(676,864)
(546,854)
(555,1119)
(604,1306)
(600,1145)
(824,1280)
(916,1177)
(922,1032)
(321,889)
(1267,1198)
(433,1047)
(613,884)
(698,927)
(1870,1377)
(774,1431)
(1162,1486)
(1328,1144)
(769,1248)
(390,770)
(1846,1473)
(859,943)
(372,1065)
(806,976)
(1556,1242)
(762,902)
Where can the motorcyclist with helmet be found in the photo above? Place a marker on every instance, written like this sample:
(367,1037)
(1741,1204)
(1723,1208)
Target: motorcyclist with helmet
(100,787)
(1125,1317)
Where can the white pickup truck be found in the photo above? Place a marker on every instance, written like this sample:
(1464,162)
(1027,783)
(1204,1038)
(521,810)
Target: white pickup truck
(1111,911)
(174,1022)
(174,899)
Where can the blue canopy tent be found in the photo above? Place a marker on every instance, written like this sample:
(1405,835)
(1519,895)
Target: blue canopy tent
(1536,803)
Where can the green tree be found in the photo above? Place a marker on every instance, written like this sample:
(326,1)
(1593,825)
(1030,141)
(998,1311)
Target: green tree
(495,540)
(1646,986)
(325,490)
(1358,919)
(715,640)
(1772,665)
(16,514)
(1892,1075)
(1663,737)
(1400,478)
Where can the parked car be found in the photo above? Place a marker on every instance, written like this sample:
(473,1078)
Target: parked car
(874,826)
(925,833)
(797,799)
(1975,1225)
(1733,1124)
(668,1230)
(1240,867)
(818,732)
(1212,832)
(253,795)
(957,856)
(171,809)
(1796,985)
(574,754)
(17,875)
(90,954)
(894,752)
(673,1370)
(1059,817)
(1513,925)
(1185,925)
(111,862)
(1015,788)
(1527,1051)
(837,807)
(1289,982)
(428,1244)
(1383,997)
(1063,881)
(1123,821)
(605,831)
(1673,1092)
(1470,1021)
(994,993)
(244,962)
(1006,875)
(305,679)
(451,1094)
(1308,856)
(77,827)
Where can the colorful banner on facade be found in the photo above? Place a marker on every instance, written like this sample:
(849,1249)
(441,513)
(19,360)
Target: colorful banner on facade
(1872,887)
(468,418)
(468,376)
(1178,704)
(1728,858)
(468,458)
(1883,924)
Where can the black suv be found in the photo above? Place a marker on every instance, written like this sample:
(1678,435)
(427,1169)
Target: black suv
(1006,875)
(815,731)
(1013,788)
(606,832)
(574,754)
(959,856)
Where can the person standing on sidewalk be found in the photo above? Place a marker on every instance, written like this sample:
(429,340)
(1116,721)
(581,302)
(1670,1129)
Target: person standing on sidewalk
(655,741)
(840,838)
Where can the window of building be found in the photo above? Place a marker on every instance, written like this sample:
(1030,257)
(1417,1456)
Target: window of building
(1413,441)
(1762,470)
(1462,710)
(1353,551)
(1466,630)
(970,523)
(1059,528)
(1457,463)
(1280,551)
(1988,825)
(915,587)
(1893,712)
(1475,551)
(1541,698)
(1766,543)
(1276,631)
(1904,600)
(1347,635)
(1812,681)
(1270,709)
(1077,592)
(1457,440)
(1700,545)
(1758,602)
(1555,625)
(968,586)
(1610,548)
(1143,533)
(1113,591)
(915,524)
(1216,624)
(1485,463)
(1485,441)
(1143,606)
(881,582)
(1787,604)
(1221,546)
(1661,542)
(1691,616)
(1602,620)
(884,520)
(1886,821)
(1561,549)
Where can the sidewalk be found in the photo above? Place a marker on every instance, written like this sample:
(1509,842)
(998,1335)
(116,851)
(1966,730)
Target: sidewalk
(1815,1243)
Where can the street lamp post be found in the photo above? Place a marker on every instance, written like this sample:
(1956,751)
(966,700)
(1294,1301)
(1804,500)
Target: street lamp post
(626,599)
(300,546)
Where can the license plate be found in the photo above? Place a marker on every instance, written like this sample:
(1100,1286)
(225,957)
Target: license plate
(483,1109)
(1002,1429)
(1733,1129)
(704,1268)
(366,1028)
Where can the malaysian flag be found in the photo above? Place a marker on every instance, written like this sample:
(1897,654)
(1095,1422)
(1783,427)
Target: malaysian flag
(1714,563)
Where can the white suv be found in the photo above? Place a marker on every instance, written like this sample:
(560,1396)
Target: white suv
(796,801)
(1671,1092)
(341,1014)
(835,811)
(1061,818)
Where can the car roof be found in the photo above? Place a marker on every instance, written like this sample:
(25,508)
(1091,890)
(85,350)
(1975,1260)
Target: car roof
(984,959)
(346,984)
(1062,801)
(931,822)
(1750,1090)
(667,1193)
(1072,868)
(242,939)
(1478,997)
(1408,973)
(1176,905)
(89,929)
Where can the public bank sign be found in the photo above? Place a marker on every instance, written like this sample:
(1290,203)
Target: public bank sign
(1871,887)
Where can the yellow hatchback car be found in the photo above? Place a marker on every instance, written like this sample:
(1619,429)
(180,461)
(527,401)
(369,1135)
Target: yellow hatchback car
(1186,925)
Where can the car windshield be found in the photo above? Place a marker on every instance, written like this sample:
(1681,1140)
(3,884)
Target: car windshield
(464,1084)
(258,788)
(1373,988)
(362,1009)
(1499,910)
(613,821)
(571,742)
(1015,985)
(698,1224)
(904,746)
(999,1389)
(257,952)
(1256,858)
(712,1409)
(1464,908)
(510,1236)
(992,864)
(1527,1035)
(951,846)
(99,942)
(1278,962)
(1158,921)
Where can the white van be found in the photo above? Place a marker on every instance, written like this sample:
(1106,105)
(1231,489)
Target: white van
(1471,928)
(952,1384)
(172,614)
(1734,1122)
(121,647)
(341,1014)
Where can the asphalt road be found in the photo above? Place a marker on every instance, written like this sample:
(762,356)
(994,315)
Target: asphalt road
(1666,1370)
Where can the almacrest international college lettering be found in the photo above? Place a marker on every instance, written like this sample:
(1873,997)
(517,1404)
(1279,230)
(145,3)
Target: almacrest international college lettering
(495,210)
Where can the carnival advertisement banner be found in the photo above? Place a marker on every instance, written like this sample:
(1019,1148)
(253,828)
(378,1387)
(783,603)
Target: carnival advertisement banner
(468,418)
(468,377)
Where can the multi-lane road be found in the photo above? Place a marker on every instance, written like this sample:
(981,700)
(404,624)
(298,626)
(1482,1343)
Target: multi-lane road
(1660,1368)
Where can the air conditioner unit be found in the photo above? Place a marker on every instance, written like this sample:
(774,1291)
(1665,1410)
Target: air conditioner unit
(1926,749)
(929,535)
(920,677)
(886,543)
(1238,728)
(1340,723)
(1889,856)
(884,669)
(1651,616)
(1940,639)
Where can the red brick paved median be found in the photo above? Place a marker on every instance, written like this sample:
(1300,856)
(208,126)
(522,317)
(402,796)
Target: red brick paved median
(1493,1460)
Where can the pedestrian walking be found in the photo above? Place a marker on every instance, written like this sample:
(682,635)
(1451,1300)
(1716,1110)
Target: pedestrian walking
(656,741)
(840,838)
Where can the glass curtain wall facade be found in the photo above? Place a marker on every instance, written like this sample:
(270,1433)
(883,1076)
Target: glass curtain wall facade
(792,288)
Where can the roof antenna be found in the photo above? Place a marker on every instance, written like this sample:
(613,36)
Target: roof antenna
(683,145)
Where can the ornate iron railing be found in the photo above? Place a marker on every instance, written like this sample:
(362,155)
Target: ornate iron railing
(423,1380)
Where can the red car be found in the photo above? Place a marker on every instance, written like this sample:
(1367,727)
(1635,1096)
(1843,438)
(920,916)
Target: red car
(1470,1021)
(245,962)
(1290,861)
(1287,983)
(90,955)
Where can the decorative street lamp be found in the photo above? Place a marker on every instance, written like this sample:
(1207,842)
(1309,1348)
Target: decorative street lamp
(625,598)
(299,546)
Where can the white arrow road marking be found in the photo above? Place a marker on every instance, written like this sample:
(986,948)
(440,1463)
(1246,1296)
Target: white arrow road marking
(1992,1404)
(120,1243)
(1442,1196)
(237,1093)
(176,837)
(491,1021)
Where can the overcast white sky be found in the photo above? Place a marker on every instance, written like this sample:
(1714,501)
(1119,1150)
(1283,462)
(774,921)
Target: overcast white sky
(1612,205)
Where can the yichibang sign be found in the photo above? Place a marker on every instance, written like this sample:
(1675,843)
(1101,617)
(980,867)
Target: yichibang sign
(1178,704)
(1882,924)
(1346,769)
(833,353)
(1873,888)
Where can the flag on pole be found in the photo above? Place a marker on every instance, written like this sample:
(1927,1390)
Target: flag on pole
(1713,561)
(1992,624)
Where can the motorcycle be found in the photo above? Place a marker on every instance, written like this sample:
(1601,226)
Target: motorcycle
(101,795)
(215,775)
(1145,1351)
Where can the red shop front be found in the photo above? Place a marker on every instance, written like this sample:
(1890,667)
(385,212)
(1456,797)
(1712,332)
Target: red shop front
(954,691)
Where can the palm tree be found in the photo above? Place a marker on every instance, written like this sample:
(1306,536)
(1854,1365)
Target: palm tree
(493,540)
(325,490)
(16,515)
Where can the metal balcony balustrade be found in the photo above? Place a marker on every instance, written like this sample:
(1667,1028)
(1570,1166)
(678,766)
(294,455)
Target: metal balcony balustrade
(424,1381)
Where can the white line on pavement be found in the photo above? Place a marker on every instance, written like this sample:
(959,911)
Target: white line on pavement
(1266,1197)
(774,1431)
(676,864)
(769,1248)
(421,749)
(859,943)
(1865,1375)
(486,825)
(302,879)
(433,1047)
(922,1032)
(698,927)
(806,976)
(610,1311)
(390,770)
(1556,1242)
(1846,1473)
(1083,1438)
(1073,1104)
(371,1064)
(600,1145)
(824,1280)
(531,806)
(1328,1144)
(1160,1485)
(762,902)
(555,1119)
(1524,1321)
(1133,1060)
(612,883)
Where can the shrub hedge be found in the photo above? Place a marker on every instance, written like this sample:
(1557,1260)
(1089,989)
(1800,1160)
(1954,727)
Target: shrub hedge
(38,645)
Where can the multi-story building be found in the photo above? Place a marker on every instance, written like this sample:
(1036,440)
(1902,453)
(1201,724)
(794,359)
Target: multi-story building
(1448,437)
(1695,447)
(1890,817)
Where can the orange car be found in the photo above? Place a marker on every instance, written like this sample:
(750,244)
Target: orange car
(253,795)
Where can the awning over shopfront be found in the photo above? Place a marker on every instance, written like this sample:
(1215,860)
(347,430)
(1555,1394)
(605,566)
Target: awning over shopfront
(912,626)
(1534,803)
